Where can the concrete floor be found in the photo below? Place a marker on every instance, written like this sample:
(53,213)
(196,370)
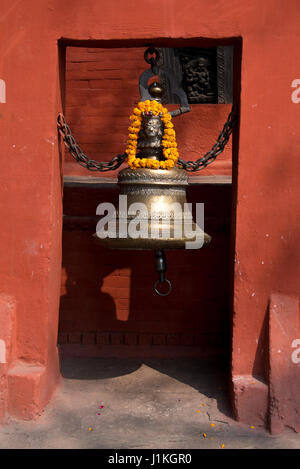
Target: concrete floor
(169,403)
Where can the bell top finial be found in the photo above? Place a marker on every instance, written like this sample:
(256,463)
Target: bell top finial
(156,91)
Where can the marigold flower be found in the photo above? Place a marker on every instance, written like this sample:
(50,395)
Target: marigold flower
(169,144)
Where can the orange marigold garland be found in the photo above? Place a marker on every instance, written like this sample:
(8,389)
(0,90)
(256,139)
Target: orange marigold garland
(168,141)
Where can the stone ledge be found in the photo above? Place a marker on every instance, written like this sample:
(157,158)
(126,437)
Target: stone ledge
(250,395)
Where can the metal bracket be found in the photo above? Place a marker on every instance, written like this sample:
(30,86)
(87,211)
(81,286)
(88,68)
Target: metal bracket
(167,76)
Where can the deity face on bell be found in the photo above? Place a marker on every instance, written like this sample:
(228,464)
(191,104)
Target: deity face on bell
(153,128)
(150,137)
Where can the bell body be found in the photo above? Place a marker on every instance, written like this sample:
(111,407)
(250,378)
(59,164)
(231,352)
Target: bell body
(163,221)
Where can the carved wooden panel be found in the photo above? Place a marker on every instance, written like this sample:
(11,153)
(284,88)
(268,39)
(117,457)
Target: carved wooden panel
(204,74)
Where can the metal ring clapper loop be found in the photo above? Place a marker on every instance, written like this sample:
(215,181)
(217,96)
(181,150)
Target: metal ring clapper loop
(160,293)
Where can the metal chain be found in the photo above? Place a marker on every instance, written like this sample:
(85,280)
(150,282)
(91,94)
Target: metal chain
(218,147)
(78,154)
(116,162)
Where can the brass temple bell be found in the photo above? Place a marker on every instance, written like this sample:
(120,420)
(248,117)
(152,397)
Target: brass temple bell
(158,195)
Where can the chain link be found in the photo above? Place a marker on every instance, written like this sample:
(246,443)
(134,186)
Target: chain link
(78,154)
(218,147)
(116,162)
